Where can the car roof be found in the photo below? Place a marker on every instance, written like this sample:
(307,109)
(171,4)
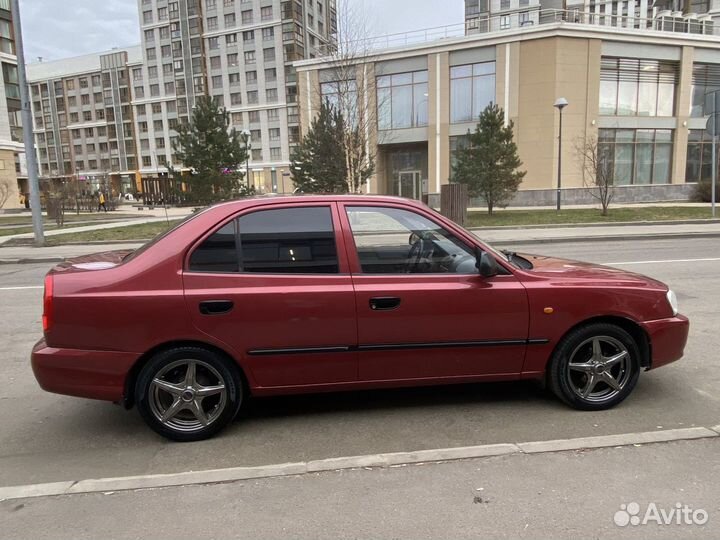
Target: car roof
(338,197)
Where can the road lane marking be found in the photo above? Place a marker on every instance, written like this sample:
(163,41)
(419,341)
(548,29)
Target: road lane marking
(664,262)
(235,474)
(21,288)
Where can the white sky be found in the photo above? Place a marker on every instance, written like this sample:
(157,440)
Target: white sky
(57,29)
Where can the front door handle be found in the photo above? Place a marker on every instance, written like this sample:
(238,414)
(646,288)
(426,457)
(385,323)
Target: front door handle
(216,307)
(384,303)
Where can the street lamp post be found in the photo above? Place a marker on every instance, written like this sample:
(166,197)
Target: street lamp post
(560,104)
(27,122)
(248,146)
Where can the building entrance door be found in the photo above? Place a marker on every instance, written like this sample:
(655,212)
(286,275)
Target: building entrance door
(409,185)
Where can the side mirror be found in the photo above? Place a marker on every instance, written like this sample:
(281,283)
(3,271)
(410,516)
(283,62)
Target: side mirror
(486,264)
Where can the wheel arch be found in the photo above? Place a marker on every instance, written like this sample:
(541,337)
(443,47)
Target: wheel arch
(129,391)
(631,327)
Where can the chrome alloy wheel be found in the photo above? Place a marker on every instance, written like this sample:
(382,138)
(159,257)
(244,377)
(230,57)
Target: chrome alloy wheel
(599,369)
(187,395)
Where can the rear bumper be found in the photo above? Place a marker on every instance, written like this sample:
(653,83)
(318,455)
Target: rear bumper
(668,338)
(81,373)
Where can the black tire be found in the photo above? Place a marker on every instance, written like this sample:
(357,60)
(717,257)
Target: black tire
(211,373)
(579,347)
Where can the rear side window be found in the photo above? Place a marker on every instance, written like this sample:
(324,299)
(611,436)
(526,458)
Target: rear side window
(288,241)
(282,241)
(218,253)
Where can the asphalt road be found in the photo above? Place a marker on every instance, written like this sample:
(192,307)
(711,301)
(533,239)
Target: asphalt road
(46,437)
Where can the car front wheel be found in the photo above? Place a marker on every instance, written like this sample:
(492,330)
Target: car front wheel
(595,367)
(188,393)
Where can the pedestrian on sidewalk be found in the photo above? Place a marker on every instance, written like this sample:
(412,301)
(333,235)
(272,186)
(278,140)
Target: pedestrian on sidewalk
(101,202)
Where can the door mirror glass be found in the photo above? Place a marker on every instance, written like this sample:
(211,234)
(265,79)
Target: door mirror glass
(486,264)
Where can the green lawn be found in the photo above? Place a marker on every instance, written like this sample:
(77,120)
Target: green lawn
(585,215)
(142,232)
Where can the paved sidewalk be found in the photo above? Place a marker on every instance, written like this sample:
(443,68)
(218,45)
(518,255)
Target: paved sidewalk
(574,494)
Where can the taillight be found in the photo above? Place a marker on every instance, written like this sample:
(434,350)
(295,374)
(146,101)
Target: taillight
(47,303)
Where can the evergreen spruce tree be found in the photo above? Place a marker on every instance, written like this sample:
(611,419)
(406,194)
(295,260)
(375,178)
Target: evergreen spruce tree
(318,163)
(215,153)
(489,164)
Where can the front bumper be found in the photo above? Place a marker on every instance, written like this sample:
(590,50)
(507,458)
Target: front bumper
(668,338)
(81,373)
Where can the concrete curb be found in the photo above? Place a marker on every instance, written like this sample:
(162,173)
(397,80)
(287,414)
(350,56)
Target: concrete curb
(708,221)
(235,474)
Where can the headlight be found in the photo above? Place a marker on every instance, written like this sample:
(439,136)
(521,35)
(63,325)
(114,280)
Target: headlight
(672,300)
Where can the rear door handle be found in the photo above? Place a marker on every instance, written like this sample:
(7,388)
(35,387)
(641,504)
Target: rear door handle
(384,303)
(216,307)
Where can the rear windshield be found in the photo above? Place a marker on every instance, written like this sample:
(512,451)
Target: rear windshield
(147,245)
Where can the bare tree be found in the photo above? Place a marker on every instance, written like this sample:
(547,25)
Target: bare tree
(597,170)
(4,192)
(350,88)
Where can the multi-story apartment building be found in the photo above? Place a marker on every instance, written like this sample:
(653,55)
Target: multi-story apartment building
(107,121)
(641,93)
(694,16)
(12,152)
(83,121)
(238,51)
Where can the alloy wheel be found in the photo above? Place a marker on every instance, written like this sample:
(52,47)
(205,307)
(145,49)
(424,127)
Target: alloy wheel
(599,368)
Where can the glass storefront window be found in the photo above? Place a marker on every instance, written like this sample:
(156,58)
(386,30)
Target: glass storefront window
(699,156)
(706,81)
(635,87)
(637,156)
(472,88)
(402,100)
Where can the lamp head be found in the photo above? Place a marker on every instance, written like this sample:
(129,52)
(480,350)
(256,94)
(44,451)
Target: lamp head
(560,103)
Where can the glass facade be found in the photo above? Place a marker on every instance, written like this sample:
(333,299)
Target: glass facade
(406,170)
(342,95)
(635,87)
(699,156)
(472,88)
(706,81)
(402,100)
(637,156)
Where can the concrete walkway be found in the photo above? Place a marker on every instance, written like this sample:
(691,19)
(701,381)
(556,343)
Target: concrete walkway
(500,237)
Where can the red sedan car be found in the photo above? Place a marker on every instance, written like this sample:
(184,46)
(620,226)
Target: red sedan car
(283,295)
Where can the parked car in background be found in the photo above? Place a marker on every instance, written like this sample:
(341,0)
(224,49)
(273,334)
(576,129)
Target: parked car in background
(282,295)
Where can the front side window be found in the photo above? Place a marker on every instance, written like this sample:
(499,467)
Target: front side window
(282,241)
(395,241)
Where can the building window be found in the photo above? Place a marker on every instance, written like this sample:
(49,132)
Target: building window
(231,39)
(247,16)
(276,153)
(213,43)
(254,116)
(270,75)
(152,72)
(217,81)
(699,156)
(234,79)
(266,13)
(215,62)
(504,22)
(251,77)
(472,89)
(257,154)
(212,23)
(705,81)
(236,98)
(268,34)
(273,115)
(249,36)
(232,60)
(229,20)
(162,14)
(271,95)
(634,87)
(165,32)
(147,17)
(340,95)
(249,57)
(252,97)
(636,156)
(402,100)
(269,54)
(151,53)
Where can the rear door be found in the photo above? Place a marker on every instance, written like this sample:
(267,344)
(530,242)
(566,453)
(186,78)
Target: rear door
(273,284)
(424,312)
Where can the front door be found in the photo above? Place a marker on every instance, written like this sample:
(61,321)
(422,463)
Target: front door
(409,185)
(424,312)
(273,285)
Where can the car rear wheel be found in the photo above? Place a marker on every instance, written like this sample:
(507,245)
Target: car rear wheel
(595,367)
(188,393)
